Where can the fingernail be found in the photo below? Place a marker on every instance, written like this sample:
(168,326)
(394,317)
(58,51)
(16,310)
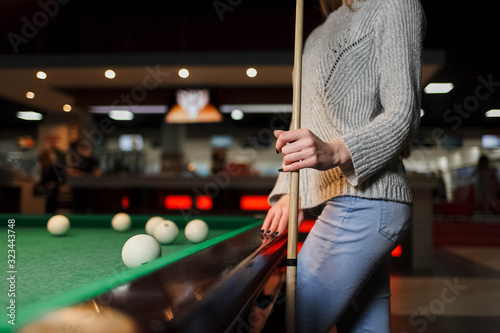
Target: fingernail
(276,233)
(277,152)
(280,169)
(262,230)
(268,232)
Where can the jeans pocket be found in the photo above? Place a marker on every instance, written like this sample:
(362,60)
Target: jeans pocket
(394,220)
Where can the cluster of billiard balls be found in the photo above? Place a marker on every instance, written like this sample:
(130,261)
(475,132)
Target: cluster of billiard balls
(142,248)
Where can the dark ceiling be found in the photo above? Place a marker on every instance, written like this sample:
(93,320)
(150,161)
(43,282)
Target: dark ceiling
(465,33)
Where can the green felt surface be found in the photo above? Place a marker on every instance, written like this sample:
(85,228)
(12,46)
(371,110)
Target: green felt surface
(59,271)
(49,265)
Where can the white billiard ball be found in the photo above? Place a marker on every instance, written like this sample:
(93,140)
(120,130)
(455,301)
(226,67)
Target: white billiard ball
(58,225)
(121,222)
(196,231)
(166,232)
(139,250)
(152,223)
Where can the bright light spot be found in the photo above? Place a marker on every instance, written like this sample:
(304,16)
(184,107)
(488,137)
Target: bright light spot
(66,108)
(237,114)
(110,74)
(29,115)
(475,152)
(443,163)
(41,75)
(422,113)
(493,113)
(438,88)
(184,73)
(251,72)
(30,95)
(121,115)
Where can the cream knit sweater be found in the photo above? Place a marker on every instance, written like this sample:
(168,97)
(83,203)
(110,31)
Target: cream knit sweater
(361,84)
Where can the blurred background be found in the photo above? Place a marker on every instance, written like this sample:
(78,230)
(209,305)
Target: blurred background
(141,100)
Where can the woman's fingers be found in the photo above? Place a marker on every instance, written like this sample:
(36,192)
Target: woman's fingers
(298,148)
(271,222)
(294,157)
(277,133)
(301,217)
(286,137)
(274,225)
(267,221)
(283,224)
(276,221)
(297,165)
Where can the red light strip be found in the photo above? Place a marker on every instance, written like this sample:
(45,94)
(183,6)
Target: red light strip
(306,226)
(178,202)
(254,202)
(125,202)
(204,202)
(397,252)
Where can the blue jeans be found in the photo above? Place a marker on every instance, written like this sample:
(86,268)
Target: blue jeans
(343,266)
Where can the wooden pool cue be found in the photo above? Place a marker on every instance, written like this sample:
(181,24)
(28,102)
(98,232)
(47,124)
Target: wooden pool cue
(291,269)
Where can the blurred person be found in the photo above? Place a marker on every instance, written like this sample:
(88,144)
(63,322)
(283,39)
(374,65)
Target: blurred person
(486,186)
(6,175)
(60,154)
(81,161)
(440,190)
(50,180)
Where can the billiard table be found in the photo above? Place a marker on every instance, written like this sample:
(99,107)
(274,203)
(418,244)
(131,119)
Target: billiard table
(78,282)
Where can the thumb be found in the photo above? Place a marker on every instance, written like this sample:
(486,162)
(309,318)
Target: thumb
(300,217)
(277,133)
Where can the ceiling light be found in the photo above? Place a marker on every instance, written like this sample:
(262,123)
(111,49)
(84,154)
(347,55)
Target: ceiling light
(123,115)
(66,108)
(41,75)
(493,113)
(135,109)
(257,108)
(30,95)
(237,114)
(251,72)
(184,73)
(110,74)
(29,115)
(438,88)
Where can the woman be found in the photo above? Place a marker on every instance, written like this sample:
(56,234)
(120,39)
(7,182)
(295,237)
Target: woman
(360,111)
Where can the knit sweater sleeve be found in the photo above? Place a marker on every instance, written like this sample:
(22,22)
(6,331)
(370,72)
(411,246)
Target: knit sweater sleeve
(400,30)
(281,187)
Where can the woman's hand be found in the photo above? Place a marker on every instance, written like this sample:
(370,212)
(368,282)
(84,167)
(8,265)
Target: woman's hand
(302,149)
(276,220)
